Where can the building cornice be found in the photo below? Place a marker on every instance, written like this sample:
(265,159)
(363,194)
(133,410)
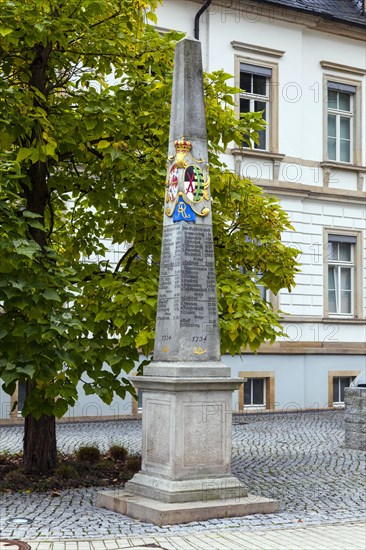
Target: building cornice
(330,65)
(311,348)
(255,49)
(256,153)
(331,194)
(321,320)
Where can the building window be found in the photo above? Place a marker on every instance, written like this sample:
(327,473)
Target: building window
(255,97)
(255,392)
(341,274)
(341,99)
(339,384)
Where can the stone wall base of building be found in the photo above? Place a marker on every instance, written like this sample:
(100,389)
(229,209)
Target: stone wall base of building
(355,418)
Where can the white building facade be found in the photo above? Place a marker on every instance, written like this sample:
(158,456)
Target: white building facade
(305,67)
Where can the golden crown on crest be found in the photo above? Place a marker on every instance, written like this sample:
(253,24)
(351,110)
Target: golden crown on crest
(182,145)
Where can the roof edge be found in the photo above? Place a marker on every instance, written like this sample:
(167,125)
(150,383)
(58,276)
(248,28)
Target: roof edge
(316,13)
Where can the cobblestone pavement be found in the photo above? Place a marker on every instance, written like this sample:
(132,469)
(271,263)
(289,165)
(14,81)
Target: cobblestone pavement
(298,458)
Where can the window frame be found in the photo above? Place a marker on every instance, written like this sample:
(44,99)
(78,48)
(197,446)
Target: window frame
(269,390)
(356,266)
(338,374)
(338,266)
(340,114)
(272,101)
(330,81)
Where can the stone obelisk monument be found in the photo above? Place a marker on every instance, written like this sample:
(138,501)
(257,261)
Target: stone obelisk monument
(187,391)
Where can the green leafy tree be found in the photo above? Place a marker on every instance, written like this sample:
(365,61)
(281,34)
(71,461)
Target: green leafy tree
(85,106)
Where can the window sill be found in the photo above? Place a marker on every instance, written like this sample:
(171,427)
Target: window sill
(326,320)
(343,166)
(257,153)
(345,318)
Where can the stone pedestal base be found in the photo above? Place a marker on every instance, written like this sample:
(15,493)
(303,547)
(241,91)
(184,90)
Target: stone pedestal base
(190,490)
(186,449)
(355,418)
(162,513)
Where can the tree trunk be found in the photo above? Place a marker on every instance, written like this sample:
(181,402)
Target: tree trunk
(40,451)
(39,442)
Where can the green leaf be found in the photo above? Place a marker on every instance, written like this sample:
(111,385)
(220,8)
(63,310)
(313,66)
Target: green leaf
(142,338)
(51,294)
(103,144)
(23,154)
(27,370)
(91,159)
(29,214)
(5,31)
(60,408)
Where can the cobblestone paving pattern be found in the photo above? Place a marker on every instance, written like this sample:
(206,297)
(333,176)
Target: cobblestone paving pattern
(298,458)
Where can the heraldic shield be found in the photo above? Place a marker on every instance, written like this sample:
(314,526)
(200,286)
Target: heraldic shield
(187,190)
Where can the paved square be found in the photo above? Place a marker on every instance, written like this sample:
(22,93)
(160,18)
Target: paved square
(298,458)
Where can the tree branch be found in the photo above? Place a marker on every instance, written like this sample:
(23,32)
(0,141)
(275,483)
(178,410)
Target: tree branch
(125,255)
(52,216)
(96,25)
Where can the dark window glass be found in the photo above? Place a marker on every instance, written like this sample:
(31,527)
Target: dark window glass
(262,140)
(259,84)
(246,82)
(332,251)
(335,390)
(261,106)
(332,99)
(345,102)
(258,391)
(247,392)
(345,252)
(345,383)
(244,105)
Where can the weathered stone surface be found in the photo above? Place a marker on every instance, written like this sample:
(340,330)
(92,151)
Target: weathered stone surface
(188,117)
(191,490)
(356,406)
(209,369)
(186,438)
(162,513)
(355,418)
(355,393)
(187,416)
(187,319)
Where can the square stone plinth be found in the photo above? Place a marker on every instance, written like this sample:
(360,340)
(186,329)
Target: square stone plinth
(162,513)
(186,439)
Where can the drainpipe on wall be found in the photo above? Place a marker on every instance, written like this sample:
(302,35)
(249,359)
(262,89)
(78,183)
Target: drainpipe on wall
(197,19)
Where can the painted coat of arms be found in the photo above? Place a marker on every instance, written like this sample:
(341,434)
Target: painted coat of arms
(187,189)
